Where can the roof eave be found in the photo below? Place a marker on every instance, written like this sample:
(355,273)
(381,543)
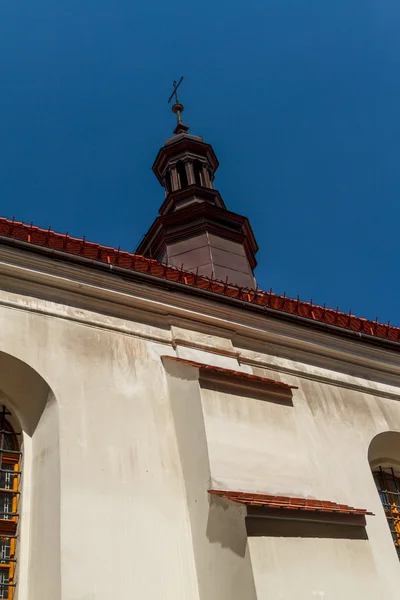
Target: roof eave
(188,289)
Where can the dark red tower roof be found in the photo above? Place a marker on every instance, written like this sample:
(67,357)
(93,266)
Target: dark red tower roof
(194,229)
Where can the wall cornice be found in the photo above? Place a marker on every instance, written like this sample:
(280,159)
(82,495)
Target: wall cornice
(149,311)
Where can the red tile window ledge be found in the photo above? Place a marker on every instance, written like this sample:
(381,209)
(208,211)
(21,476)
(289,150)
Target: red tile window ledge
(245,378)
(289,504)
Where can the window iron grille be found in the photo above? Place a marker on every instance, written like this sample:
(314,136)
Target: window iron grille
(10,475)
(388,485)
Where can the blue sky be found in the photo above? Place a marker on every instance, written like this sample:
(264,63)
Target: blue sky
(299,99)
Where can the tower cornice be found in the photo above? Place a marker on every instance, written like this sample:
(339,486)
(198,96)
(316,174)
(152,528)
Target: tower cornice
(193,194)
(172,228)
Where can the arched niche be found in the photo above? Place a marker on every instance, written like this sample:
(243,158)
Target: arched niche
(34,412)
(384,450)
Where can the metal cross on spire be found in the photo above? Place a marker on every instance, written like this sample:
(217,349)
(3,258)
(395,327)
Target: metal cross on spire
(178,108)
(175,92)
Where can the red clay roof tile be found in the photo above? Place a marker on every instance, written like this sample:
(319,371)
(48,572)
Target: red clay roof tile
(63,242)
(286,502)
(230,372)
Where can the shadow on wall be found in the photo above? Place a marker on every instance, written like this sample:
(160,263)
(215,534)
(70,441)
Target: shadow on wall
(258,527)
(26,390)
(257,391)
(226,525)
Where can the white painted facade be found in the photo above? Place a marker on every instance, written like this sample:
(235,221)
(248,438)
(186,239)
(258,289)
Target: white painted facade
(121,445)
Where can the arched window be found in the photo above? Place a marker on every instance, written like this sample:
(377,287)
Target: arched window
(388,485)
(10,471)
(384,459)
(211,178)
(181,170)
(168,186)
(197,168)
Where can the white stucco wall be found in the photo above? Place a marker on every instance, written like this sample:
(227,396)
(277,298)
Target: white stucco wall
(289,568)
(122,451)
(120,493)
(316,448)
(219,537)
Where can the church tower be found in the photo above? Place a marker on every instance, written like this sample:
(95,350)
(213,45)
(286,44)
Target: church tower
(194,229)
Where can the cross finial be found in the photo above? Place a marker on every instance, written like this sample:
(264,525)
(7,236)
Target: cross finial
(175,92)
(177,108)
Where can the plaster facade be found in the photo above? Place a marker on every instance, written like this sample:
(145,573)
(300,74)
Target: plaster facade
(121,444)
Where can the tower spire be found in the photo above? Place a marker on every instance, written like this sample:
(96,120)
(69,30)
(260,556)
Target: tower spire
(194,228)
(178,109)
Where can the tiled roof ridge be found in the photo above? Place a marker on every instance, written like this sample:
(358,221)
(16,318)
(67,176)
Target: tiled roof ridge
(79,246)
(287,502)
